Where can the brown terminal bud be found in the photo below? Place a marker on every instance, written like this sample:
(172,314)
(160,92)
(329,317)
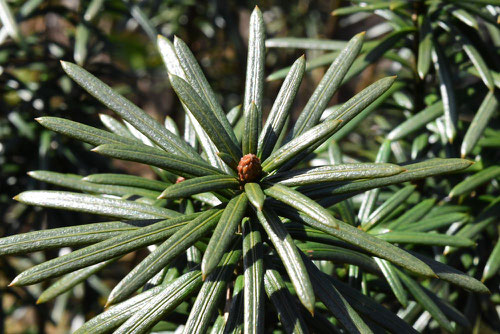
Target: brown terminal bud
(249,168)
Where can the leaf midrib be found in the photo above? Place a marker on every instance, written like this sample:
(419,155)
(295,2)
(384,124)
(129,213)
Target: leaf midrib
(85,130)
(213,126)
(68,236)
(179,241)
(123,103)
(327,84)
(109,248)
(108,202)
(169,298)
(160,156)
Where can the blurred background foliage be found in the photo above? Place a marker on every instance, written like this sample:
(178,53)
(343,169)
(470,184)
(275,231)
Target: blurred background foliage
(116,41)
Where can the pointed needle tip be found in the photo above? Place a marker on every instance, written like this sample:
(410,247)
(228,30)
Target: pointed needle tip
(14,282)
